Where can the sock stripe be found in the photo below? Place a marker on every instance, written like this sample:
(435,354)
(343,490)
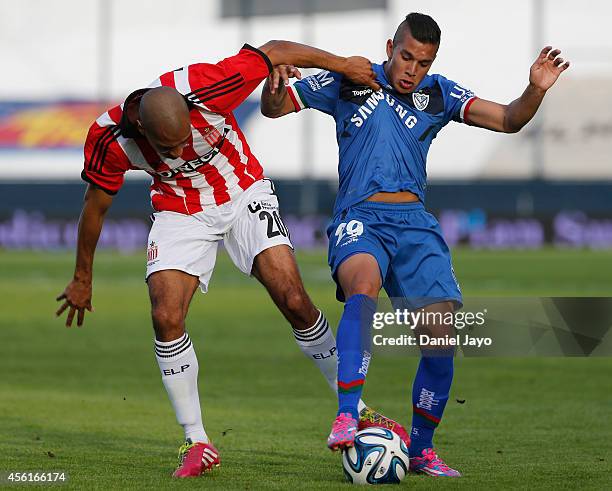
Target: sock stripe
(171,353)
(351,385)
(311,330)
(314,333)
(174,348)
(320,320)
(313,337)
(163,345)
(426,415)
(349,391)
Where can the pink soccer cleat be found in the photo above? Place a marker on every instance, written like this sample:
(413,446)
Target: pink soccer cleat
(343,432)
(369,418)
(432,465)
(196,458)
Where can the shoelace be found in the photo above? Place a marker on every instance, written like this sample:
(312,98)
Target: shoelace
(185,447)
(346,421)
(431,456)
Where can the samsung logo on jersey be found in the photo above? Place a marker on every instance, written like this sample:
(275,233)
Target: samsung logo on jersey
(371,104)
(319,80)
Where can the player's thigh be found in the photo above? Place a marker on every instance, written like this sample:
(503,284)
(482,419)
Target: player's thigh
(421,272)
(357,255)
(170,292)
(277,269)
(183,243)
(359,274)
(257,227)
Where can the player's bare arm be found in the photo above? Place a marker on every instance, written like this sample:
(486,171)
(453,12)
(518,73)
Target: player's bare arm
(275,102)
(512,117)
(77,295)
(356,68)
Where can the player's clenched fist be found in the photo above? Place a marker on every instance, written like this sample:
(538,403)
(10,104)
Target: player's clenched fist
(77,297)
(359,70)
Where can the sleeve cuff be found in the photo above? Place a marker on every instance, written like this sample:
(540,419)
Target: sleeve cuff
(465,108)
(88,179)
(260,53)
(294,95)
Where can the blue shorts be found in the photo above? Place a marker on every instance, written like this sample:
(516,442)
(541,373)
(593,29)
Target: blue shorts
(414,260)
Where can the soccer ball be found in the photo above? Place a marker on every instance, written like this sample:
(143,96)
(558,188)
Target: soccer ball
(378,457)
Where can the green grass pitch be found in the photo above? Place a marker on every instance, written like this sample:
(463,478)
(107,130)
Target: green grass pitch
(90,401)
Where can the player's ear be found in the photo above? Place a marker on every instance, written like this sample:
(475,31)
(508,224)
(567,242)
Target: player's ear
(389,48)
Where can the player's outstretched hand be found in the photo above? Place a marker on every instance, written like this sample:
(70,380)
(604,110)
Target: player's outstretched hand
(359,70)
(284,73)
(76,297)
(546,69)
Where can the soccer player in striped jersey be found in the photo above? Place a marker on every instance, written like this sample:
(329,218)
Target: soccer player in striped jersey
(206,186)
(380,235)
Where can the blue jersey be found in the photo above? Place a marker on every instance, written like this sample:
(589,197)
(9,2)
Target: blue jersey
(383,137)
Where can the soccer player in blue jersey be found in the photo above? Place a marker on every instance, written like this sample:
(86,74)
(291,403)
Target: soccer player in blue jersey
(380,235)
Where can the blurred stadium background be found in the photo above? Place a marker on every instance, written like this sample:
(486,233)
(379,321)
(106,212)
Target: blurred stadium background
(550,184)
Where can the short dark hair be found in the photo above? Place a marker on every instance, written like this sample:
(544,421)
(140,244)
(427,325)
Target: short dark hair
(422,27)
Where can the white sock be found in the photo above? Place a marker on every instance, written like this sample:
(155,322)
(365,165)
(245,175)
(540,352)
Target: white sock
(319,344)
(179,370)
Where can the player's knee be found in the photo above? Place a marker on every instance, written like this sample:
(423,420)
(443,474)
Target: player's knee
(166,320)
(362,287)
(296,302)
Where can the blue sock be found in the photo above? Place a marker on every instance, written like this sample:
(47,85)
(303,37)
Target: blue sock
(354,341)
(429,397)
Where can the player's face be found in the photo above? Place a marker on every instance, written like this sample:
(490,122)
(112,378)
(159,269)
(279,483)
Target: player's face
(408,62)
(169,143)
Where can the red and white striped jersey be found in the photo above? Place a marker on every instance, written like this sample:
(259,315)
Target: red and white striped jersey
(216,165)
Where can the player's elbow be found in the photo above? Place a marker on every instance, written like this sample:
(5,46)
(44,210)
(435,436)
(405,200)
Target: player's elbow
(275,50)
(513,122)
(271,46)
(268,113)
(512,129)
(511,126)
(272,112)
(265,108)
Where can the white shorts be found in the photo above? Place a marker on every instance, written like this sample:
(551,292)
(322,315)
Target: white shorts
(248,225)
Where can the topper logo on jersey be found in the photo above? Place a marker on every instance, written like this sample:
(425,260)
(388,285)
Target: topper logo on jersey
(362,92)
(319,80)
(420,100)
